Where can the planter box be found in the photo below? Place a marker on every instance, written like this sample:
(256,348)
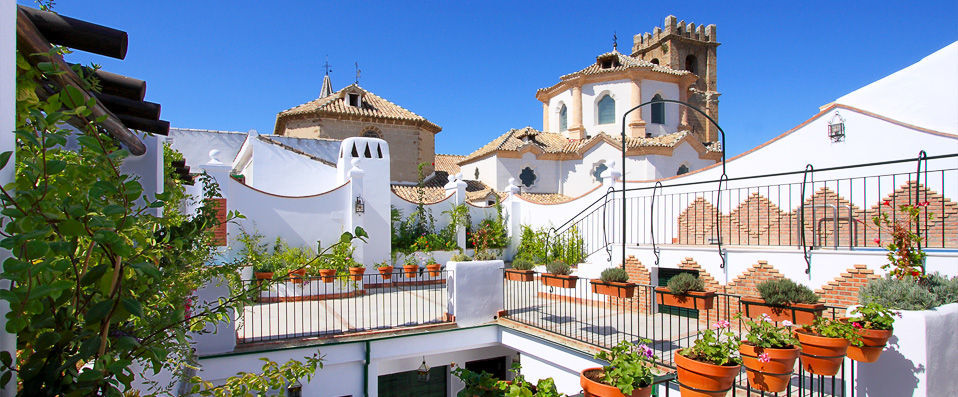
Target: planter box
(693,300)
(520,275)
(558,280)
(618,290)
(799,313)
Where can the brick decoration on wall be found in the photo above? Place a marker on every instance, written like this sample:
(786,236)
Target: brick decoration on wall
(746,282)
(759,221)
(219,232)
(640,275)
(843,290)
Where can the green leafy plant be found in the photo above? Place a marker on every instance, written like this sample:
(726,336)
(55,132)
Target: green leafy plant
(873,316)
(783,291)
(905,256)
(558,267)
(682,283)
(522,264)
(253,251)
(569,246)
(909,293)
(460,258)
(274,377)
(718,346)
(382,264)
(630,366)
(830,328)
(533,244)
(764,333)
(481,384)
(614,275)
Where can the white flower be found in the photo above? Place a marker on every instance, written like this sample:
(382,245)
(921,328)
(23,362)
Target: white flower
(787,323)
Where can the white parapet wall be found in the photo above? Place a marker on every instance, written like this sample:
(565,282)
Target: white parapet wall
(919,359)
(475,291)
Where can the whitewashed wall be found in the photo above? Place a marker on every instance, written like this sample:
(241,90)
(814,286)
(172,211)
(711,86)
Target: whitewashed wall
(283,172)
(667,91)
(555,105)
(619,90)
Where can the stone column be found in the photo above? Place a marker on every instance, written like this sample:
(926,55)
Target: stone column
(636,123)
(576,130)
(545,117)
(457,187)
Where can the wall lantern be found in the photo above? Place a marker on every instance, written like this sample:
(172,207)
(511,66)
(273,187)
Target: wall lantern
(836,128)
(423,372)
(360,207)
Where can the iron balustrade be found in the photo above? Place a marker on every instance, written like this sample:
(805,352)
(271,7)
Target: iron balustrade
(601,321)
(308,307)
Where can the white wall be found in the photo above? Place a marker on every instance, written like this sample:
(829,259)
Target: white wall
(555,104)
(283,172)
(667,91)
(619,90)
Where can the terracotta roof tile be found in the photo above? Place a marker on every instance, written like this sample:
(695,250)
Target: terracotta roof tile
(619,62)
(372,106)
(448,163)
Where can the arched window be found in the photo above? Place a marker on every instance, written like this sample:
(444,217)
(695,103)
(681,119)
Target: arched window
(371,134)
(527,176)
(606,110)
(655,61)
(658,110)
(683,169)
(563,118)
(598,170)
(691,63)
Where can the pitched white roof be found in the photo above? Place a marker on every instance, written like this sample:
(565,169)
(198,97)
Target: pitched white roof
(195,144)
(924,94)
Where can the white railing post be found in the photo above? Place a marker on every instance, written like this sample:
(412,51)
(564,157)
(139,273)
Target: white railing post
(457,187)
(512,207)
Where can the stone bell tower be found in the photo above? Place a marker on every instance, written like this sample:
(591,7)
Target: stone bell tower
(682,46)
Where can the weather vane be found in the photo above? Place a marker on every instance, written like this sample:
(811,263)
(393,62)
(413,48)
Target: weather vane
(326,65)
(615,41)
(357,72)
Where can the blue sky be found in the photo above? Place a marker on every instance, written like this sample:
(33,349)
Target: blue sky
(474,67)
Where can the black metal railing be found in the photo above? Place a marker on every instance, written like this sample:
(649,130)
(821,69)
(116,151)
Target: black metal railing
(603,321)
(310,307)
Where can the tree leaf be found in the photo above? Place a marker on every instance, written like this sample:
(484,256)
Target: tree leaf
(133,306)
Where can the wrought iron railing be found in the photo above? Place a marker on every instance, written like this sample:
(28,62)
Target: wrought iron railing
(603,321)
(309,307)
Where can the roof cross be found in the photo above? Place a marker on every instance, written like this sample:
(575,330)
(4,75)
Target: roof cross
(326,66)
(615,41)
(357,72)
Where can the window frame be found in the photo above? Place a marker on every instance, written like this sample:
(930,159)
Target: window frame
(657,109)
(598,109)
(535,176)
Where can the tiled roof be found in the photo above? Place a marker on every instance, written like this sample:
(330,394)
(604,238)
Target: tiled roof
(448,163)
(434,191)
(550,142)
(372,106)
(619,62)
(545,198)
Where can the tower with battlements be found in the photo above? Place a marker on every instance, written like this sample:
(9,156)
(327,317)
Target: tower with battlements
(685,46)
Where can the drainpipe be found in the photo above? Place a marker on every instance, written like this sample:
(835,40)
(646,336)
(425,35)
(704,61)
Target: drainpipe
(366,372)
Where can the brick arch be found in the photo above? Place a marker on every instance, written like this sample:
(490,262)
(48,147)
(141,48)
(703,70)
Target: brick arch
(710,282)
(843,290)
(745,284)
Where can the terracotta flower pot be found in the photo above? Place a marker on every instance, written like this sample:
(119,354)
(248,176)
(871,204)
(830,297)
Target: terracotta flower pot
(298,275)
(327,275)
(433,269)
(593,388)
(699,379)
(873,342)
(520,275)
(614,289)
(821,355)
(772,376)
(559,280)
(263,275)
(386,272)
(797,313)
(356,273)
(694,300)
(410,270)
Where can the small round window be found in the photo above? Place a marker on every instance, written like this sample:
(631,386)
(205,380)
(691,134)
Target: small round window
(527,176)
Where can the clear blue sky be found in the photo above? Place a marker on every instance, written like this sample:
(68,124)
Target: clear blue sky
(473,68)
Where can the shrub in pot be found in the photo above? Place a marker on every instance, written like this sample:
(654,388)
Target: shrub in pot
(629,372)
(768,353)
(783,299)
(558,274)
(521,270)
(709,367)
(460,257)
(410,266)
(687,291)
(824,344)
(614,282)
(873,324)
(385,270)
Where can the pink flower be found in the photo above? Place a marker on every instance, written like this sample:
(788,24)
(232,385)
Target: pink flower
(766,318)
(646,350)
(877,241)
(887,203)
(857,325)
(721,324)
(764,358)
(787,323)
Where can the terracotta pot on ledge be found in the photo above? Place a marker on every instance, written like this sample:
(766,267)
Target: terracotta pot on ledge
(356,273)
(797,313)
(695,300)
(593,388)
(559,280)
(386,272)
(613,289)
(410,270)
(772,376)
(821,355)
(520,275)
(327,275)
(873,342)
(434,269)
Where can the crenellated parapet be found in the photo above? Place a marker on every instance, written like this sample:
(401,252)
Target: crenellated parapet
(644,41)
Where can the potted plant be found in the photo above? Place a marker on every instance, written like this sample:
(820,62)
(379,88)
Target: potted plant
(874,324)
(614,282)
(327,271)
(783,299)
(709,367)
(410,266)
(687,291)
(521,270)
(558,274)
(768,354)
(460,257)
(356,270)
(824,344)
(433,267)
(629,372)
(385,270)
(263,270)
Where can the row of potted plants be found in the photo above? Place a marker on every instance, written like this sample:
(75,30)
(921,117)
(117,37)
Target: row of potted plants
(768,352)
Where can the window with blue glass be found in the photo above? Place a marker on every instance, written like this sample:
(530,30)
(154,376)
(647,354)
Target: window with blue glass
(606,110)
(563,118)
(527,176)
(658,110)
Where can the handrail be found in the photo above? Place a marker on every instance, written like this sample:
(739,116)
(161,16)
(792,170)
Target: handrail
(718,217)
(809,170)
(605,220)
